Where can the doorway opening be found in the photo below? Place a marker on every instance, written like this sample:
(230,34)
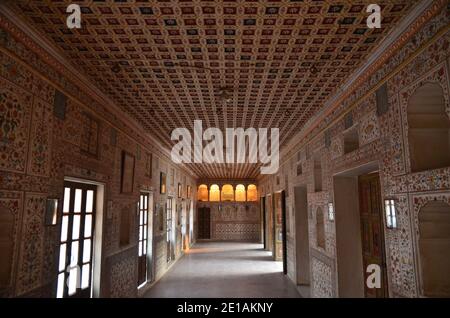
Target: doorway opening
(302,236)
(264,221)
(269,223)
(204,223)
(80,240)
(359,231)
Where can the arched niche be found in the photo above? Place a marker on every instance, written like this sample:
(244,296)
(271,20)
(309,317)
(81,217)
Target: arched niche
(428,129)
(227,192)
(240,193)
(317,175)
(202,192)
(252,193)
(434,248)
(320,228)
(214,193)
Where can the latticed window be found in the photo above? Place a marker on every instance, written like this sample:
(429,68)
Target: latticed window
(143,237)
(76,240)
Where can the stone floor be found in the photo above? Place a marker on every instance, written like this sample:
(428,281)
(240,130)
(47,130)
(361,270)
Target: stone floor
(229,270)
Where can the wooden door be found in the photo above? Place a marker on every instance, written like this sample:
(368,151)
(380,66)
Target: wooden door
(204,223)
(278,226)
(372,231)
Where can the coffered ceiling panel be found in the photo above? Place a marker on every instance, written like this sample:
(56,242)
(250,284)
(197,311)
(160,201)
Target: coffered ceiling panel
(227,63)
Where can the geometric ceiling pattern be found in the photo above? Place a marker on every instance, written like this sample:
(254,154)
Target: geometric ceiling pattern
(167,63)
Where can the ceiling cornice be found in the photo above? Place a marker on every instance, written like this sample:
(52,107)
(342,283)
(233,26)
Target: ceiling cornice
(53,56)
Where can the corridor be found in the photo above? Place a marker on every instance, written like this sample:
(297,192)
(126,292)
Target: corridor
(140,141)
(219,269)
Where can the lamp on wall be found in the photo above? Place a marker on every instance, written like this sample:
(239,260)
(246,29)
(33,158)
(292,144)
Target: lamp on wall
(391,213)
(330,211)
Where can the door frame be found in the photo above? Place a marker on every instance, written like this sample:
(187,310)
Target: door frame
(301,211)
(280,195)
(284,230)
(353,173)
(376,175)
(150,237)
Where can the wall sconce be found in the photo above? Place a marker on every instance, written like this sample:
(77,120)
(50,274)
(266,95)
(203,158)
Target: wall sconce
(330,212)
(51,212)
(219,208)
(391,213)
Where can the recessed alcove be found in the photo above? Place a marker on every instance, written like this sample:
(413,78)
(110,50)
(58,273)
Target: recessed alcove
(317,175)
(434,247)
(320,228)
(351,140)
(428,129)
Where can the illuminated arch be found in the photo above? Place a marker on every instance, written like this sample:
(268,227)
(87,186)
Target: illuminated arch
(227,192)
(240,193)
(202,193)
(214,193)
(252,193)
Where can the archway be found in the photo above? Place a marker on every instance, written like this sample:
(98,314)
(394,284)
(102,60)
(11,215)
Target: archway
(252,193)
(227,192)
(202,192)
(240,193)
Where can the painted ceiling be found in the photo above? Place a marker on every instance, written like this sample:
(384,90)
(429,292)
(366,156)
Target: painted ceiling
(227,63)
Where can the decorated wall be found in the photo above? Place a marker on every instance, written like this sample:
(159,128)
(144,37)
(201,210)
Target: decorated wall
(381,130)
(50,129)
(234,221)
